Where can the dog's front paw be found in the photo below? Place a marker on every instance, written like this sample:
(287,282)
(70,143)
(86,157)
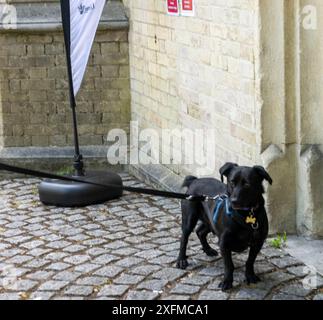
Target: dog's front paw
(211,252)
(182,264)
(252,278)
(225,285)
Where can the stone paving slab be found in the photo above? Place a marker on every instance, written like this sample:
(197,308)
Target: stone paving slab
(124,249)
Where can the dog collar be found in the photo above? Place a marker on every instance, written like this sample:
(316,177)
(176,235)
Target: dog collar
(250,219)
(252,209)
(246,222)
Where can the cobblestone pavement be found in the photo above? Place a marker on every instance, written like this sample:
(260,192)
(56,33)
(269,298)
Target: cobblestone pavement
(125,249)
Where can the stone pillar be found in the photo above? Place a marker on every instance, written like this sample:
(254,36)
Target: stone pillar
(310,135)
(276,121)
(290,103)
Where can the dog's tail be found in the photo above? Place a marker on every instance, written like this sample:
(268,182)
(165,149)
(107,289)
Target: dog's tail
(188,180)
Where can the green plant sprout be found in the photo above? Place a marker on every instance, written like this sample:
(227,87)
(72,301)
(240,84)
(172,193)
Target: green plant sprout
(279,242)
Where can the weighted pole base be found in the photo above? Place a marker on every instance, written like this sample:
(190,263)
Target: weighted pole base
(76,194)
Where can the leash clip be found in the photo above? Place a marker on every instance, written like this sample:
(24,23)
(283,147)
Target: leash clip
(208,198)
(204,197)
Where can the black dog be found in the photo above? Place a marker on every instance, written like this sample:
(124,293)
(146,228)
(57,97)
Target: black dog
(238,217)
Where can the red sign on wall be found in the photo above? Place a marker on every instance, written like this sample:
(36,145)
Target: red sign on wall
(173,7)
(187,8)
(187,5)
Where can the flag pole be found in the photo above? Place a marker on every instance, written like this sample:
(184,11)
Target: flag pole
(78,158)
(79,25)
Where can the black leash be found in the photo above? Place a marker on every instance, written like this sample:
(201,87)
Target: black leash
(166,194)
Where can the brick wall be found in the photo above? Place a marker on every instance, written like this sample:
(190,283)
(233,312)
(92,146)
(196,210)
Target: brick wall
(34,99)
(196,72)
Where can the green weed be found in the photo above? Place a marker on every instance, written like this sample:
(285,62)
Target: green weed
(279,242)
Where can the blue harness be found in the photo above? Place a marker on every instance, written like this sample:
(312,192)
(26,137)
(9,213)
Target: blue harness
(223,200)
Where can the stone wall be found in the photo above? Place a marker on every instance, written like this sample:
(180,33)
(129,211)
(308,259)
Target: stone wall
(249,69)
(34,101)
(196,72)
(34,90)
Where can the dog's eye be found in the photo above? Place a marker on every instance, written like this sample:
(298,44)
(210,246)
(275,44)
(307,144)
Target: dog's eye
(232,184)
(247,185)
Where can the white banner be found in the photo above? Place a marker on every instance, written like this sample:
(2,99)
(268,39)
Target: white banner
(84,20)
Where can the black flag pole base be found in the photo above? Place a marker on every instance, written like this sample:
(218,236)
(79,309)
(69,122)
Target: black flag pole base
(73,194)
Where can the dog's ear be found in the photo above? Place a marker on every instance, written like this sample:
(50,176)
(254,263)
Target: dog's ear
(263,173)
(225,170)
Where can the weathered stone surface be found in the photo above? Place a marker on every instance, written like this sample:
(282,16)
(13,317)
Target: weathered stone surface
(271,252)
(153,285)
(212,271)
(196,280)
(113,290)
(128,279)
(129,262)
(40,275)
(58,266)
(22,285)
(183,288)
(89,266)
(41,295)
(91,281)
(286,262)
(79,290)
(299,271)
(10,296)
(283,296)
(145,270)
(66,276)
(52,285)
(176,297)
(109,271)
(213,295)
(86,267)
(251,294)
(170,274)
(142,295)
(296,289)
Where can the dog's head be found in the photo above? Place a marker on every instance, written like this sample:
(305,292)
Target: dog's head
(244,184)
